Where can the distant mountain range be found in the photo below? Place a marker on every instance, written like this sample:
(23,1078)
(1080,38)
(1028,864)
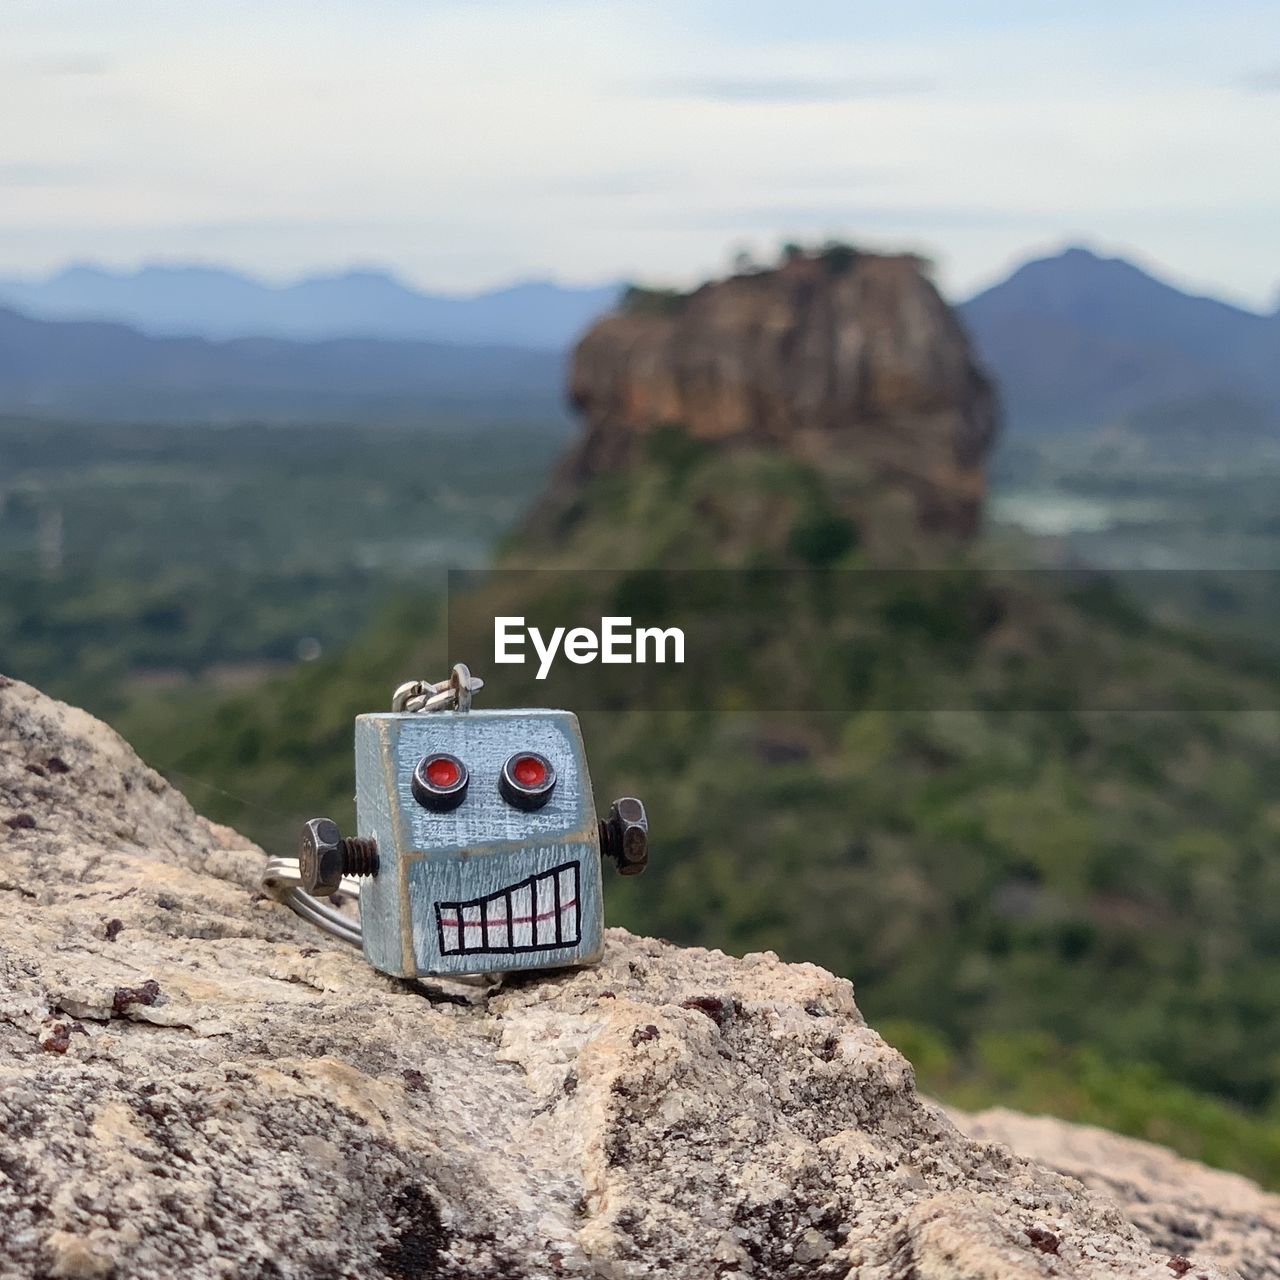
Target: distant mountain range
(210,302)
(1076,341)
(1079,340)
(110,371)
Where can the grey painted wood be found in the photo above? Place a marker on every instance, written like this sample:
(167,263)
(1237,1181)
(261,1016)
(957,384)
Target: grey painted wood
(439,903)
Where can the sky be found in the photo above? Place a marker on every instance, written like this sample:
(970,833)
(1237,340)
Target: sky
(469,143)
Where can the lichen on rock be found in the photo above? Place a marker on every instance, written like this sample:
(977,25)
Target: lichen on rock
(194,1083)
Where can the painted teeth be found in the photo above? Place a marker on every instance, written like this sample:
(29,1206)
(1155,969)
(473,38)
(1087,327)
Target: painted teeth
(537,914)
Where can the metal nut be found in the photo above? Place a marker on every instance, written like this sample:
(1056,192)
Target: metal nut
(624,836)
(320,857)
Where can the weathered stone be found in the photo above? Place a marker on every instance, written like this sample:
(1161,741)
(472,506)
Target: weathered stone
(1187,1210)
(194,1083)
(861,361)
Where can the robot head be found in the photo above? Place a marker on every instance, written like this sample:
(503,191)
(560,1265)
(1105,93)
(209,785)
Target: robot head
(488,842)
(478,846)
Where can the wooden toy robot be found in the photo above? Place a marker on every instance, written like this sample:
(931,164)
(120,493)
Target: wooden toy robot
(479,847)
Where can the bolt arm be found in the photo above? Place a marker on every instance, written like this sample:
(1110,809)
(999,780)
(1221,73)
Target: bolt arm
(624,836)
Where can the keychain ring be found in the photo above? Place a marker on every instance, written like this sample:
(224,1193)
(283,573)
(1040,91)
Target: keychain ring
(282,879)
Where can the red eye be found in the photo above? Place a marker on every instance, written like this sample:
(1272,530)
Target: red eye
(442,772)
(528,780)
(529,771)
(439,782)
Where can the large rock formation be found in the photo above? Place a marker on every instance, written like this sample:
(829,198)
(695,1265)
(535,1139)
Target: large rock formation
(193,1083)
(842,355)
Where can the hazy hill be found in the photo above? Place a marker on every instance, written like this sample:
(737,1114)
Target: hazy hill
(1079,340)
(213,302)
(1075,341)
(101,370)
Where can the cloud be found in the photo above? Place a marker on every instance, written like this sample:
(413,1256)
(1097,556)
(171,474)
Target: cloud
(678,179)
(608,184)
(1267,81)
(78,65)
(41,175)
(786,90)
(837,214)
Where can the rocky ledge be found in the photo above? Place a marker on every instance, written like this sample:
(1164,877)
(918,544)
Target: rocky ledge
(194,1083)
(1179,1205)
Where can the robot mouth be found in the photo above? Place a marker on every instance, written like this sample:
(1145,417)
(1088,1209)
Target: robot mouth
(540,913)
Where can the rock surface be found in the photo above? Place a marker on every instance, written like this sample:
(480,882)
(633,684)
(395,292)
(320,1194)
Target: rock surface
(193,1083)
(1180,1205)
(860,359)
